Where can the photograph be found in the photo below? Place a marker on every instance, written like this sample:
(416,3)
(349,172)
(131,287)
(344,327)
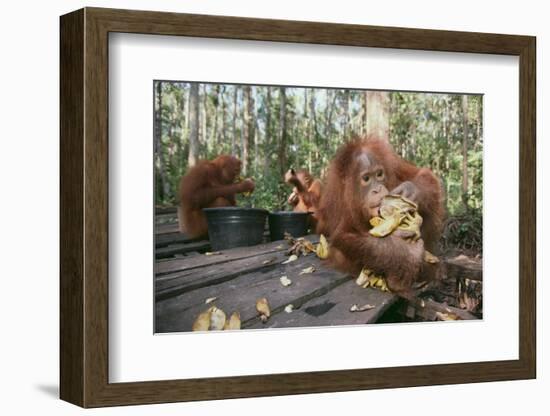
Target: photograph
(298,206)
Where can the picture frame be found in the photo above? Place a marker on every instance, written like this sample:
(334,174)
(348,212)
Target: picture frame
(84,219)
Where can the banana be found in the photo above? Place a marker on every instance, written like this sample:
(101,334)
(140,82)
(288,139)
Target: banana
(322,248)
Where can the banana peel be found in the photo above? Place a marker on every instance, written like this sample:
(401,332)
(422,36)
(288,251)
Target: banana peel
(385,227)
(262,306)
(399,213)
(234,322)
(367,278)
(322,248)
(396,212)
(211,319)
(202,323)
(217,319)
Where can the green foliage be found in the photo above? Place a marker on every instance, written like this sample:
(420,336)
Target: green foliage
(428,130)
(264,195)
(464,231)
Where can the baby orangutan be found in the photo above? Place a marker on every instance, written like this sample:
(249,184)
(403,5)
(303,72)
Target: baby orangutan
(306,192)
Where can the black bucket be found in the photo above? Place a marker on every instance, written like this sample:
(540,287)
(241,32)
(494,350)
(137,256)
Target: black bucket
(294,223)
(230,227)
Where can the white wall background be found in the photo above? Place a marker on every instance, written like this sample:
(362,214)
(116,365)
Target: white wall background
(29,210)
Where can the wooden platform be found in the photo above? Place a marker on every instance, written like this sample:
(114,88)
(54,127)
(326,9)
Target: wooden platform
(240,276)
(186,275)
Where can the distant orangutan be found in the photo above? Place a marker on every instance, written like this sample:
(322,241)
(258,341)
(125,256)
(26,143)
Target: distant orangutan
(209,184)
(361,174)
(306,193)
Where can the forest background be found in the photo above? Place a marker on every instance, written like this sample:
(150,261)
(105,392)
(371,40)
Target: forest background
(274,128)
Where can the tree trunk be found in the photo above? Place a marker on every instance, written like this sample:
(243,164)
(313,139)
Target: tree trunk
(187,100)
(267,138)
(174,140)
(328,127)
(214,130)
(256,129)
(282,132)
(204,123)
(183,136)
(479,113)
(248,136)
(171,141)
(306,128)
(165,186)
(256,144)
(465,130)
(193,125)
(245,132)
(234,129)
(364,118)
(313,123)
(347,117)
(378,115)
(222,135)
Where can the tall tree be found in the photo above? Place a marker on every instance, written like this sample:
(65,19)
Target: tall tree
(193,124)
(364,113)
(347,115)
(222,135)
(282,131)
(313,125)
(214,130)
(329,111)
(257,130)
(268,130)
(205,121)
(248,135)
(465,131)
(159,151)
(378,114)
(307,127)
(184,100)
(234,125)
(479,117)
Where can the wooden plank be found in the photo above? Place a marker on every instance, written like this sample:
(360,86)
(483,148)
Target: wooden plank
(175,265)
(166,228)
(463,267)
(173,284)
(427,309)
(333,308)
(163,240)
(166,219)
(170,251)
(241,292)
(220,285)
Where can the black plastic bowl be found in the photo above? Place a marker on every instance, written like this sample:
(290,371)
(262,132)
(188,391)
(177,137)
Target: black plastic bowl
(294,223)
(230,227)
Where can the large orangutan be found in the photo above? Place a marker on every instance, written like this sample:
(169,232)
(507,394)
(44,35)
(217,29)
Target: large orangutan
(361,174)
(306,193)
(209,184)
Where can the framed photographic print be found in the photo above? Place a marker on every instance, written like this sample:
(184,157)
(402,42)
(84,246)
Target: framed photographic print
(255,207)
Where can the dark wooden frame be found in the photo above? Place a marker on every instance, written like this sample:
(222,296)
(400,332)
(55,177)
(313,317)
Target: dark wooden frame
(84,208)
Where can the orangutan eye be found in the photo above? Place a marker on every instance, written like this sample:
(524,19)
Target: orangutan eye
(365,178)
(380,174)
